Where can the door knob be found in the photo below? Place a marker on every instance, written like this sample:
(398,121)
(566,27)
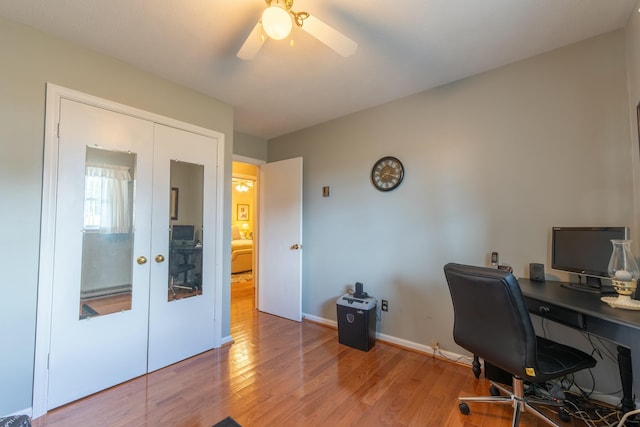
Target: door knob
(296,247)
(159,258)
(141,260)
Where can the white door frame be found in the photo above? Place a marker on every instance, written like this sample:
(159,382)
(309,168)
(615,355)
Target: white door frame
(47,226)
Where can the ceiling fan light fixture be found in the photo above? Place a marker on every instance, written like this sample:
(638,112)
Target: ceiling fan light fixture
(276,22)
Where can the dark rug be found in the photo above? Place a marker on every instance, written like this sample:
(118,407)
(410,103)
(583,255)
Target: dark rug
(16,421)
(227,422)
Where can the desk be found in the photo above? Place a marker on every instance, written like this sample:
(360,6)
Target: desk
(585,312)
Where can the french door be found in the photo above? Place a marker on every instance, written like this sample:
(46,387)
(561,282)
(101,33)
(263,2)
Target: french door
(128,297)
(180,328)
(90,353)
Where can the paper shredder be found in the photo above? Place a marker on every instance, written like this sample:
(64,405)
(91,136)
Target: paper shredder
(357,321)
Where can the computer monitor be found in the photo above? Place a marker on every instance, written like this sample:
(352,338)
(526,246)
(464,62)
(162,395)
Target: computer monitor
(585,251)
(182,234)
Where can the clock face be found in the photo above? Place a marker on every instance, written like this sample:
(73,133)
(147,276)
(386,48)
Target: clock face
(387,173)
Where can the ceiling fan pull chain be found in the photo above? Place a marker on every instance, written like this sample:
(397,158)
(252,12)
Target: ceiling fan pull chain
(287,3)
(299,17)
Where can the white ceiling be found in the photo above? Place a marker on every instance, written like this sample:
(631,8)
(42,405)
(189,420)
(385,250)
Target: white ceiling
(404,47)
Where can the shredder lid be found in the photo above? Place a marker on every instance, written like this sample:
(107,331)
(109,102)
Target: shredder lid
(348,300)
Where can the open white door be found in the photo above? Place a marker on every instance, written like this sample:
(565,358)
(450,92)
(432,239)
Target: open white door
(280,239)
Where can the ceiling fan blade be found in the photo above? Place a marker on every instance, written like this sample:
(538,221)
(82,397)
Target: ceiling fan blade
(329,36)
(252,44)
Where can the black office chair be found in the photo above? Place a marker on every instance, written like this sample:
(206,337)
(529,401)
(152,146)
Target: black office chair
(491,320)
(179,268)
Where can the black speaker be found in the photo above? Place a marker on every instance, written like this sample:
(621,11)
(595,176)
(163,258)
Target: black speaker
(536,272)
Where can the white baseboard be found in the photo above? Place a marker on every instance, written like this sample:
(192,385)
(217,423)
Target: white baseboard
(331,323)
(226,340)
(426,349)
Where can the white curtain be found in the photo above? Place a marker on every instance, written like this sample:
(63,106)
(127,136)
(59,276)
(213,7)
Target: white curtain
(107,201)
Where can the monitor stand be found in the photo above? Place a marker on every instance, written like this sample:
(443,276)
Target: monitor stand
(593,285)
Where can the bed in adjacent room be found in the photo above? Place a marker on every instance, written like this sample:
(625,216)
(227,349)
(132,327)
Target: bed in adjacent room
(241,252)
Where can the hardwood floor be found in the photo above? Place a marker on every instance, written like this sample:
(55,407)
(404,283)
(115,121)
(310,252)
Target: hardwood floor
(282,373)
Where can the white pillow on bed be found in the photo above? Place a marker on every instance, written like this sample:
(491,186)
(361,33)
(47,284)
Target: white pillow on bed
(235,233)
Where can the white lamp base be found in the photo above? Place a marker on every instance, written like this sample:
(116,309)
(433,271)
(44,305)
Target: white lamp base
(622,301)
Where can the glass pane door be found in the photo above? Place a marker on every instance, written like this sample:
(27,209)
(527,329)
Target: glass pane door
(97,259)
(107,242)
(183,269)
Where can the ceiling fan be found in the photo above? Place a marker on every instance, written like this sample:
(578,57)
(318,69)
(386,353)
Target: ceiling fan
(277,21)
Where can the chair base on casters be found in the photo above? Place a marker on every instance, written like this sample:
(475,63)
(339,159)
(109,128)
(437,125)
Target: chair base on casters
(517,399)
(173,286)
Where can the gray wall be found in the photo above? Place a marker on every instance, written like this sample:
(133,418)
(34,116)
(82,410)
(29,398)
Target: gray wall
(492,163)
(633,60)
(249,146)
(188,178)
(30,59)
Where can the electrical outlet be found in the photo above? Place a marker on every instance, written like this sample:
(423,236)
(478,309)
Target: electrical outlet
(384,305)
(435,345)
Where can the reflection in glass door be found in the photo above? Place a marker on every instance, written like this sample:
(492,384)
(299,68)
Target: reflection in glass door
(185,214)
(107,243)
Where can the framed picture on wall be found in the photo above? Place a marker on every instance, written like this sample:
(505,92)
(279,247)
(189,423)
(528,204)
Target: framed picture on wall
(638,117)
(243,212)
(173,203)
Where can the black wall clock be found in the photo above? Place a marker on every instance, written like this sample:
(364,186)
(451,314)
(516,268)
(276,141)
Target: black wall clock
(387,173)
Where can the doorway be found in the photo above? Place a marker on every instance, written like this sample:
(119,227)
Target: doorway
(277,236)
(244,235)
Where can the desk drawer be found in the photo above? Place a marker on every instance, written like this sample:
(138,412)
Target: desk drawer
(557,314)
